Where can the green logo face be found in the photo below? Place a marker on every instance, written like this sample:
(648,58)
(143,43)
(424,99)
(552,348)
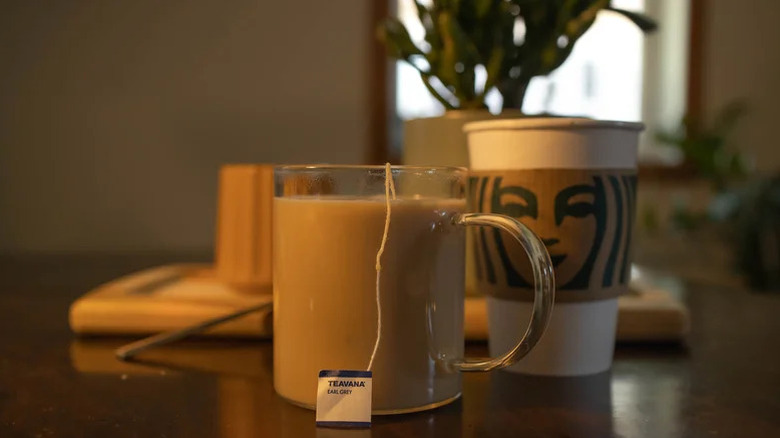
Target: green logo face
(583,217)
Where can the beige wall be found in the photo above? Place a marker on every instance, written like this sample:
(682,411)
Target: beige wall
(114,116)
(741,48)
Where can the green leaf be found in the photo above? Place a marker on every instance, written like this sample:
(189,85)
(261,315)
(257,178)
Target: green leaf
(397,39)
(422,11)
(728,117)
(458,58)
(668,139)
(431,89)
(482,8)
(424,15)
(493,68)
(445,70)
(522,3)
(582,22)
(640,20)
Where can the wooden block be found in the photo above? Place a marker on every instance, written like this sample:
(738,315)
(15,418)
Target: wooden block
(244,220)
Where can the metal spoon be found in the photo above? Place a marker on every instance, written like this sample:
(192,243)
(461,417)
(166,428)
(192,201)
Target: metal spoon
(127,352)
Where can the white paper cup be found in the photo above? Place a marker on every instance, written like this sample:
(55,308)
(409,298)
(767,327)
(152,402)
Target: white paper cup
(541,156)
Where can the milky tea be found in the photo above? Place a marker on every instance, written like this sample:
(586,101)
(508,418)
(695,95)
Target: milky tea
(325,310)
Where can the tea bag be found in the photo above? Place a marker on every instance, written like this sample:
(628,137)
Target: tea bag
(389,189)
(344,396)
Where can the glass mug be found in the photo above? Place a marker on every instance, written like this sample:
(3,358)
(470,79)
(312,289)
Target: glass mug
(328,226)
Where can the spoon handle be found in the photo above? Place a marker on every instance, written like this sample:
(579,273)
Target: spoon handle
(127,352)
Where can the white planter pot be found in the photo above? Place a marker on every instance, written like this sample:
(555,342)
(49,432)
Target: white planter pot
(440,141)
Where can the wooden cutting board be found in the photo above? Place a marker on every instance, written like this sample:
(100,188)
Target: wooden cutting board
(168,298)
(175,296)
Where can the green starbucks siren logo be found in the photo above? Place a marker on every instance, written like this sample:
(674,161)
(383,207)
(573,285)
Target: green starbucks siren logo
(584,217)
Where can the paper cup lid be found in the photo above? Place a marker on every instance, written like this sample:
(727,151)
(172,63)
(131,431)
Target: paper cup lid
(549,123)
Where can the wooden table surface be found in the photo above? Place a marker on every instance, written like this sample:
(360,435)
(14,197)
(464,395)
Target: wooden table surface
(725,382)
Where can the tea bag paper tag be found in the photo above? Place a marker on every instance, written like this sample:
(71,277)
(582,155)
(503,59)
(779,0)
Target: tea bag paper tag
(344,398)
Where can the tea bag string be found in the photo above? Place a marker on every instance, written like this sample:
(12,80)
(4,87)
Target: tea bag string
(389,188)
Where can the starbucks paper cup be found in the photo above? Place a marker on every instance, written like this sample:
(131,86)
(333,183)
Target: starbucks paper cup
(573,182)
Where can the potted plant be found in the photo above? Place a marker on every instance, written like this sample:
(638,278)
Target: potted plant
(705,188)
(464,36)
(692,213)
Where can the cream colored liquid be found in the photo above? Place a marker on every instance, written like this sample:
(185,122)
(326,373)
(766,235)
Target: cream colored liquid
(325,314)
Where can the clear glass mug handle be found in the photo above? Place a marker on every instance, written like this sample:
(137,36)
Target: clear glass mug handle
(544,288)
